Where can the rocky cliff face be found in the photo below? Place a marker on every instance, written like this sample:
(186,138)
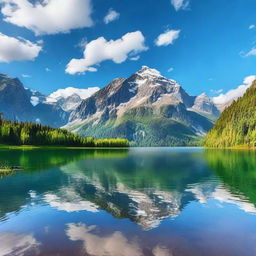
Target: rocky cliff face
(205,105)
(146,108)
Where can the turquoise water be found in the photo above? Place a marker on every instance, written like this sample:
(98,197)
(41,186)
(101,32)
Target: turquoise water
(141,201)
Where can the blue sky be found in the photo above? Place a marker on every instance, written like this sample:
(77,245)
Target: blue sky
(214,48)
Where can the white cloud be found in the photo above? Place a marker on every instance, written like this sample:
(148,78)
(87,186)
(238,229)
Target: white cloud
(48,16)
(47,70)
(17,49)
(252,26)
(216,91)
(180,4)
(234,94)
(83,42)
(69,91)
(111,16)
(223,195)
(135,58)
(167,37)
(161,250)
(18,244)
(100,50)
(26,75)
(70,202)
(170,69)
(252,52)
(111,244)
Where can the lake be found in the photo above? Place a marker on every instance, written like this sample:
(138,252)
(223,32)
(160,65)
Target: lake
(128,202)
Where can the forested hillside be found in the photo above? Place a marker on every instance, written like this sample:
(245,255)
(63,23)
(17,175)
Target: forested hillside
(17,133)
(237,124)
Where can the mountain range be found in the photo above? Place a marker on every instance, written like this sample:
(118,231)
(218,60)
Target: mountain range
(22,104)
(146,108)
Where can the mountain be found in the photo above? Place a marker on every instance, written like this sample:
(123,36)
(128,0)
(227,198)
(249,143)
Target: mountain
(22,104)
(205,105)
(145,108)
(236,125)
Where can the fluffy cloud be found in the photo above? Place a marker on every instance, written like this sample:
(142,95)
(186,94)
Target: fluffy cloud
(252,26)
(234,93)
(111,16)
(167,37)
(180,4)
(48,16)
(100,50)
(17,49)
(18,244)
(69,201)
(69,91)
(135,58)
(252,52)
(111,244)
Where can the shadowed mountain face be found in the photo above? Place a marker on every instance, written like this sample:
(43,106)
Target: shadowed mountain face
(20,104)
(146,108)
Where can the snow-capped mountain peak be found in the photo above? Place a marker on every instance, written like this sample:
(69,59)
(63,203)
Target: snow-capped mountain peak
(145,71)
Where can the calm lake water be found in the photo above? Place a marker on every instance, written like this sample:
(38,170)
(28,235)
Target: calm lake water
(141,201)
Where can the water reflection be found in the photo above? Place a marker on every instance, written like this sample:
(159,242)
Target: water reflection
(159,202)
(18,244)
(115,244)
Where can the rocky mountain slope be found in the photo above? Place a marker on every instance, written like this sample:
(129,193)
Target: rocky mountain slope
(145,108)
(22,104)
(237,123)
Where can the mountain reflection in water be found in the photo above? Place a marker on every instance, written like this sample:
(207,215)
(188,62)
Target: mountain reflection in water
(141,201)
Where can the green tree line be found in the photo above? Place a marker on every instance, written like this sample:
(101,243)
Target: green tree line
(237,124)
(26,133)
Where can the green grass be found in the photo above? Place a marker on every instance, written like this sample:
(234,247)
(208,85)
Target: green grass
(5,170)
